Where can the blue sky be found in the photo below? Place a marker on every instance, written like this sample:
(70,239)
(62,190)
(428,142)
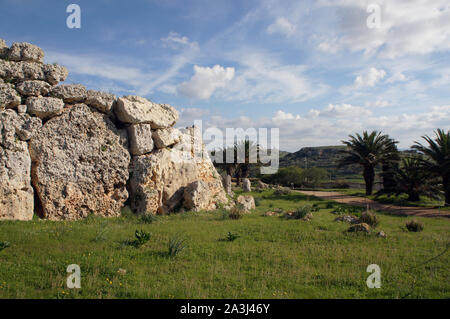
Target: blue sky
(312,68)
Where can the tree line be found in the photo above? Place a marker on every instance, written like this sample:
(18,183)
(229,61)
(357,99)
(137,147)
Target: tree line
(425,173)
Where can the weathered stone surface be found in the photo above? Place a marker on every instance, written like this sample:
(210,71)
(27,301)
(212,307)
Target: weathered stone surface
(166,137)
(9,98)
(381,234)
(102,101)
(246,185)
(26,52)
(54,73)
(70,93)
(363,227)
(25,125)
(226,179)
(80,165)
(197,198)
(44,107)
(247,202)
(140,136)
(21,71)
(3,49)
(160,178)
(348,219)
(135,110)
(262,185)
(21,109)
(33,88)
(16,193)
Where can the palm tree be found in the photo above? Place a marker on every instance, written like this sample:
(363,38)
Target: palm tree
(369,150)
(413,180)
(437,158)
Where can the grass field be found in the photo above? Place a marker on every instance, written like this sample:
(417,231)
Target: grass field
(272,258)
(401,200)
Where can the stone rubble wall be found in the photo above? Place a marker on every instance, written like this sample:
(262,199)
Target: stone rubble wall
(72,152)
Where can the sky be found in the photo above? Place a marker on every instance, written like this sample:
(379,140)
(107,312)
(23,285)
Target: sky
(318,70)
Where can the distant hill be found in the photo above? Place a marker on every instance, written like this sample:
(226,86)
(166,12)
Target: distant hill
(326,157)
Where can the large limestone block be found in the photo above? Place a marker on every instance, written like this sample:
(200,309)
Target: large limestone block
(21,71)
(70,93)
(26,52)
(54,73)
(33,88)
(80,165)
(21,126)
(16,193)
(102,101)
(246,185)
(140,136)
(159,179)
(136,110)
(166,137)
(9,98)
(247,202)
(226,179)
(44,107)
(197,197)
(24,71)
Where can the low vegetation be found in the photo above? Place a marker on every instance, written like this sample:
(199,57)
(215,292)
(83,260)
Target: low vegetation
(272,258)
(414,226)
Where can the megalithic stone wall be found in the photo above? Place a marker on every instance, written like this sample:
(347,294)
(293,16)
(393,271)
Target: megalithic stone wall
(76,152)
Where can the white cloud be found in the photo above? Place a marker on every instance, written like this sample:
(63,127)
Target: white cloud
(205,81)
(371,78)
(176,41)
(282,116)
(407,27)
(262,78)
(301,131)
(378,104)
(282,26)
(341,110)
(397,77)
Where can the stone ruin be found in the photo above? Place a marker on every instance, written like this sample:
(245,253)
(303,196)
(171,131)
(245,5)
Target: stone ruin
(67,152)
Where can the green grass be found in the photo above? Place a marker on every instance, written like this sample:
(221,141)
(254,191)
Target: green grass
(392,200)
(272,258)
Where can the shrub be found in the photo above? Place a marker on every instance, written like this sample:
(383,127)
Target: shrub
(369,218)
(348,210)
(141,237)
(236,212)
(315,207)
(329,205)
(258,201)
(231,237)
(300,213)
(414,226)
(4,245)
(176,245)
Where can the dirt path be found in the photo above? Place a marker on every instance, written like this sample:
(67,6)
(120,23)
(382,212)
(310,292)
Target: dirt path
(392,209)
